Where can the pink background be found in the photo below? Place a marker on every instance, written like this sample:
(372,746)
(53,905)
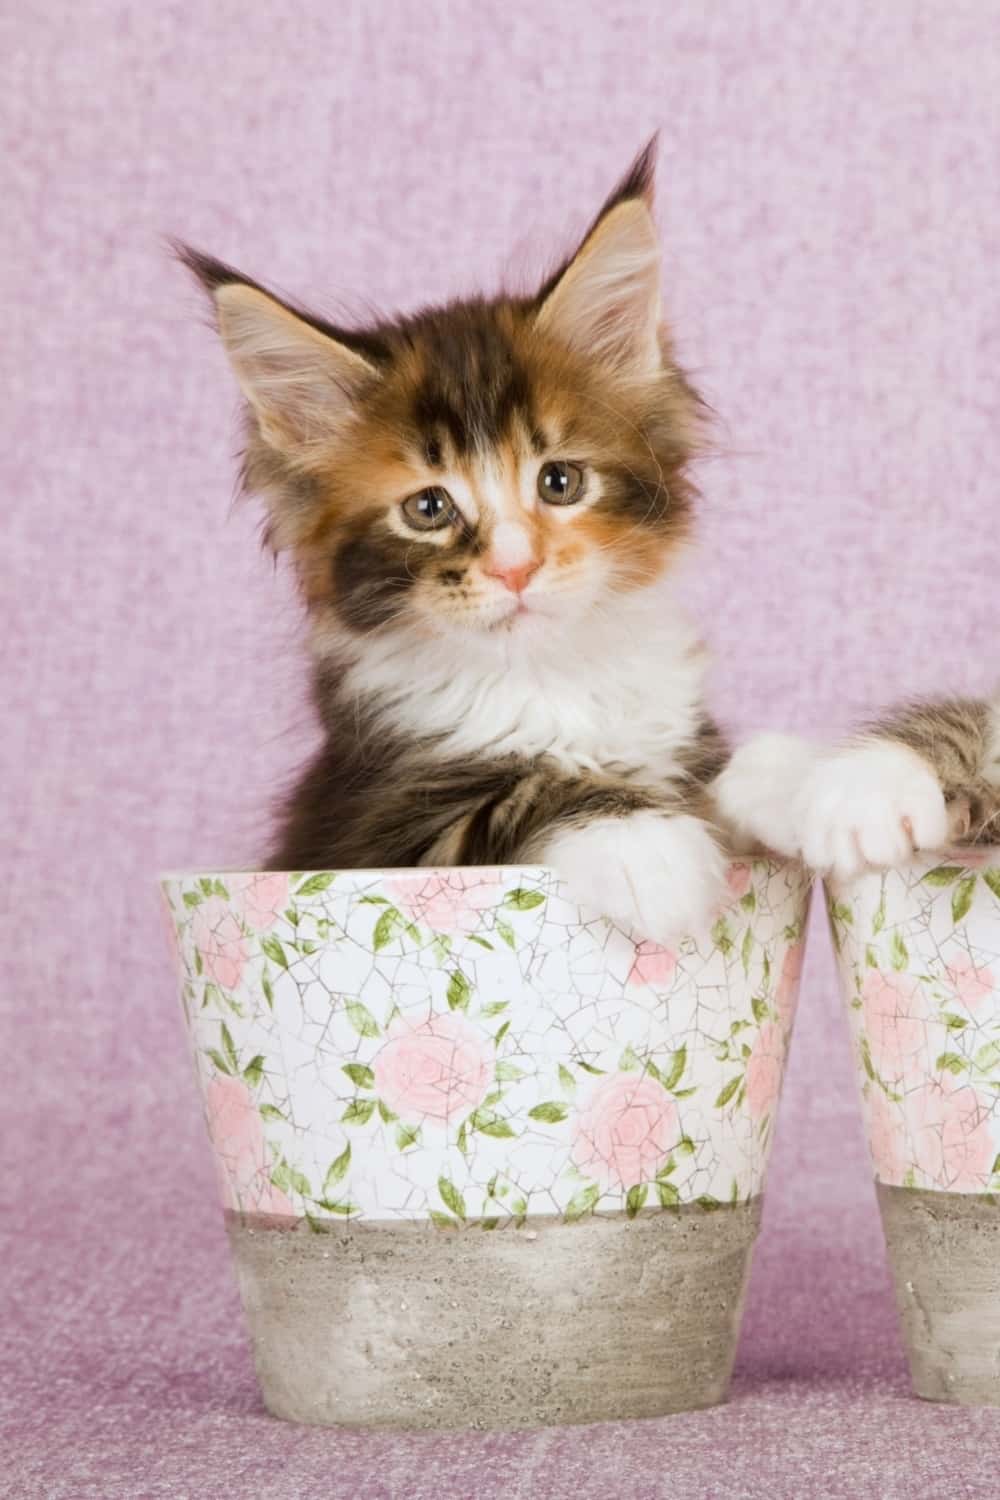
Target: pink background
(828,196)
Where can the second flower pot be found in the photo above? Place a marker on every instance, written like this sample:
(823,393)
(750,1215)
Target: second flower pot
(919,956)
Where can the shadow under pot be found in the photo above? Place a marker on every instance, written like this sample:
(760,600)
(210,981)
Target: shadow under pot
(919,956)
(485,1161)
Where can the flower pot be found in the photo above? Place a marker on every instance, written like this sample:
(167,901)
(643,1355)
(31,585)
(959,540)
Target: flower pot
(484,1160)
(919,956)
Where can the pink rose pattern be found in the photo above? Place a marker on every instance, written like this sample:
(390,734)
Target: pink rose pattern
(787,992)
(264,898)
(220,923)
(896,1015)
(738,878)
(435,1069)
(450,1060)
(623,1132)
(447,901)
(765,1068)
(970,982)
(237,1133)
(918,950)
(219,939)
(652,965)
(949,1136)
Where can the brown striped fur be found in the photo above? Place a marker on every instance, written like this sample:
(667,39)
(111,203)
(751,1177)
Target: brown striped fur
(959,738)
(371,800)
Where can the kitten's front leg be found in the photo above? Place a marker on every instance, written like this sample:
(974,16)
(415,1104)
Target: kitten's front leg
(916,781)
(757,796)
(657,873)
(634,853)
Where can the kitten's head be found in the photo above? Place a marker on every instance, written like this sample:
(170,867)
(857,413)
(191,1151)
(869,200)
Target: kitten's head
(494,467)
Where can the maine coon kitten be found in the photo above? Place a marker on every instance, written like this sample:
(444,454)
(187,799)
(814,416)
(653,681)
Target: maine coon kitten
(924,777)
(485,502)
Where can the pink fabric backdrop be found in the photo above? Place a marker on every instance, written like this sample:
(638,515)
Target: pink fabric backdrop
(828,196)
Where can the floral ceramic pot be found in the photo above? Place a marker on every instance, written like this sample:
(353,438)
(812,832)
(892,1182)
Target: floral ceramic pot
(919,956)
(484,1160)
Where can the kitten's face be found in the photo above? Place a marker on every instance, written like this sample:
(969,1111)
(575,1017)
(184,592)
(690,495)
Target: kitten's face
(495,468)
(491,481)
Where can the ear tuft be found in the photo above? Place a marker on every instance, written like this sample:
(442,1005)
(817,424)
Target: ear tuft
(206,270)
(606,300)
(638,180)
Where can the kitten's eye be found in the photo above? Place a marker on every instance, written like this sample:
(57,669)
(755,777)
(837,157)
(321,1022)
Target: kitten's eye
(560,483)
(429,510)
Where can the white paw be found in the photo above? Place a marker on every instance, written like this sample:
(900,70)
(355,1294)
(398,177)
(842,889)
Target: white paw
(870,806)
(757,794)
(660,876)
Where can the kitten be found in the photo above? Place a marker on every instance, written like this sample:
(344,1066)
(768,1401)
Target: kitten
(924,778)
(485,503)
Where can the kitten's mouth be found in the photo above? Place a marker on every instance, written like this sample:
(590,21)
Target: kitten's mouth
(519,609)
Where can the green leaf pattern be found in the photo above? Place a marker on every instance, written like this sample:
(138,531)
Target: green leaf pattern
(919,964)
(431,1044)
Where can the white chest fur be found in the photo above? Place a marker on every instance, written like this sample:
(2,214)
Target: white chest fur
(621,694)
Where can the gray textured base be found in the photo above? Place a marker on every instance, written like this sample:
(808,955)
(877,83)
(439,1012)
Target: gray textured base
(404,1325)
(944,1250)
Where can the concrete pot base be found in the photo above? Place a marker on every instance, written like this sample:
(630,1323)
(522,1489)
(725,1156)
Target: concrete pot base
(944,1250)
(405,1325)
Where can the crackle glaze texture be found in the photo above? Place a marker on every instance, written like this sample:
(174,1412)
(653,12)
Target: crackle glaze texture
(919,956)
(467,1045)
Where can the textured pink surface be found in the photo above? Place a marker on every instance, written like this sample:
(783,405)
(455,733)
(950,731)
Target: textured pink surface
(828,197)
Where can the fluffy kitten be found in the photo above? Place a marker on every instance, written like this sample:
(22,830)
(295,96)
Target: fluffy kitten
(485,502)
(925,777)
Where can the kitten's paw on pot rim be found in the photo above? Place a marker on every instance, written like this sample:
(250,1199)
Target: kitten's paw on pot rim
(870,805)
(660,875)
(757,794)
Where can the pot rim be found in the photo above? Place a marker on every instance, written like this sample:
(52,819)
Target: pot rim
(390,872)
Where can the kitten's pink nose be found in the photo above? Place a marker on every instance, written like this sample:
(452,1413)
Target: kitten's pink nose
(513,577)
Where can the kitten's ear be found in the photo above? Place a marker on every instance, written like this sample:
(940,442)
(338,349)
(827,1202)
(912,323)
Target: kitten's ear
(605,301)
(302,384)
